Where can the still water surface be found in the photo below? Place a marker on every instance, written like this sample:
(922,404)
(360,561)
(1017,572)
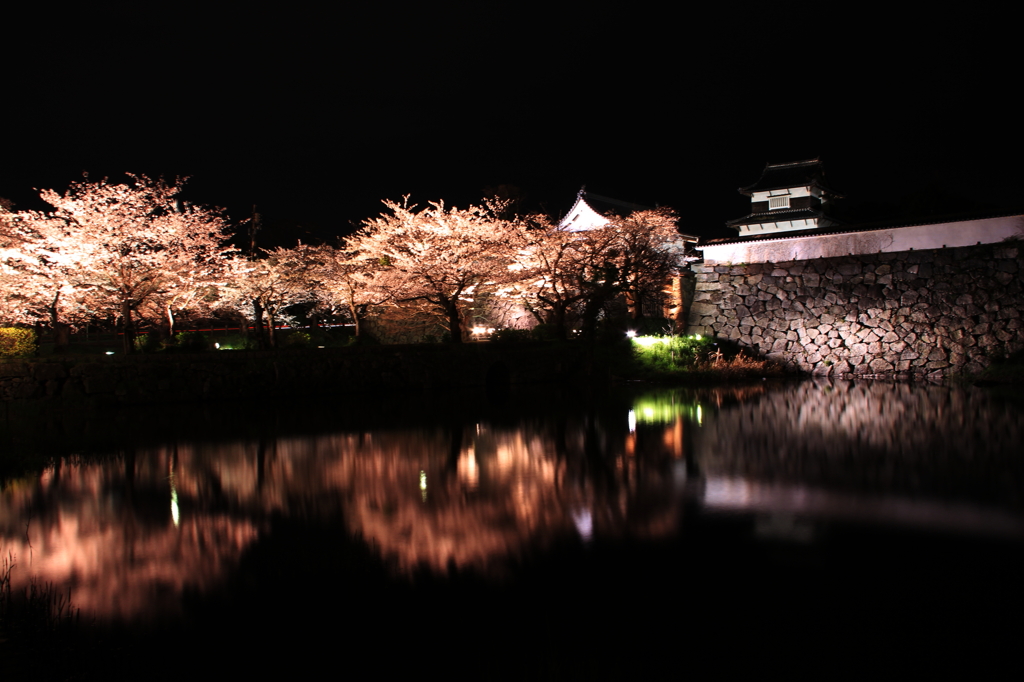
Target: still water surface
(802,475)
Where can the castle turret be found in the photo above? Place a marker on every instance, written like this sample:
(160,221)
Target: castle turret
(787,197)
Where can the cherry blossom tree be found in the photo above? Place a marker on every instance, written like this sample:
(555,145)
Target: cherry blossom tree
(441,256)
(577,273)
(650,253)
(283,277)
(37,273)
(558,270)
(354,281)
(16,303)
(117,249)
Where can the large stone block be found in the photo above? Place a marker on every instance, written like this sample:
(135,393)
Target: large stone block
(702,308)
(880,366)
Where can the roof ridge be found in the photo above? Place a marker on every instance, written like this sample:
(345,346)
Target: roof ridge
(805,162)
(872,226)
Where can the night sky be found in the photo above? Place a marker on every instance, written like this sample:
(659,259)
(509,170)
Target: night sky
(316,116)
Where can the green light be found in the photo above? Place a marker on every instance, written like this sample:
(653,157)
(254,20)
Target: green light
(175,514)
(648,341)
(661,408)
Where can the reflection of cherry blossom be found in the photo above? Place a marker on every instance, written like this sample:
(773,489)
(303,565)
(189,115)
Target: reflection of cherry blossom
(130,535)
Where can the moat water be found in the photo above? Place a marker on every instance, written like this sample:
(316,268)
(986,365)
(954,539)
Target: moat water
(573,534)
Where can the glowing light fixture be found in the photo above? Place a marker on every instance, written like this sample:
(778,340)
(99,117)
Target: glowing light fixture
(110,352)
(648,341)
(175,514)
(631,334)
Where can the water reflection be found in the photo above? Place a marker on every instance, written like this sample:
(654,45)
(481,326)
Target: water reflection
(131,533)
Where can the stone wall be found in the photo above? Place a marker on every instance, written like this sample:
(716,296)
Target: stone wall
(931,312)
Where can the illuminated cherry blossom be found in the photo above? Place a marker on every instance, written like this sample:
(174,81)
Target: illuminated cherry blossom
(443,257)
(120,250)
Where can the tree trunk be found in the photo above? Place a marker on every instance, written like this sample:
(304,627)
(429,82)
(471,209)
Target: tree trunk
(454,320)
(354,310)
(557,320)
(271,330)
(128,328)
(590,311)
(61,331)
(257,316)
(635,303)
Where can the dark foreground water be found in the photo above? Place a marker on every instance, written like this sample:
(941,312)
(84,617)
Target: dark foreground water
(831,527)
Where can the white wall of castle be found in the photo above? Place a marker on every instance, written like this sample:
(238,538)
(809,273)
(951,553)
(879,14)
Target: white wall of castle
(790,191)
(582,218)
(916,237)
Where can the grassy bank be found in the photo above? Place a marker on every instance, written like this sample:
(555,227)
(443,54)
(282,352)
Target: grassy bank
(690,359)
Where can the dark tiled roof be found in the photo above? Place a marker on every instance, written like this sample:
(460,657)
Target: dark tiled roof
(777,216)
(864,227)
(786,175)
(604,205)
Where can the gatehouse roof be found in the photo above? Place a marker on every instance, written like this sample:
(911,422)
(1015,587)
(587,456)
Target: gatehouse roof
(807,173)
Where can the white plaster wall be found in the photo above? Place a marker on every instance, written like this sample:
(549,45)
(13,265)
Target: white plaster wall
(792,191)
(582,218)
(933,236)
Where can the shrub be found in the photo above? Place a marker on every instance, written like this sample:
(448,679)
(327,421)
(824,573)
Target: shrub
(297,340)
(545,332)
(671,353)
(147,343)
(511,336)
(236,342)
(191,342)
(16,341)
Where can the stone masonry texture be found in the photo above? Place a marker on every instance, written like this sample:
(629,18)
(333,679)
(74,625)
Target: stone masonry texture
(913,313)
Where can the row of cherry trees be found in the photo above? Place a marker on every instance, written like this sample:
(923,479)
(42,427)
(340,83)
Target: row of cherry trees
(135,253)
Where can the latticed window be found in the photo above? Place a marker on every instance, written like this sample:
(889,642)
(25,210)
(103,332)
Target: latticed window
(778,202)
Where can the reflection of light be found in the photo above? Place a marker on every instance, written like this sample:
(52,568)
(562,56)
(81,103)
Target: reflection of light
(584,522)
(656,410)
(727,492)
(632,421)
(700,420)
(175,516)
(469,473)
(423,484)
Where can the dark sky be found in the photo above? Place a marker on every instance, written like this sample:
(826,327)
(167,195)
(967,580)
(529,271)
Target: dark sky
(315,116)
